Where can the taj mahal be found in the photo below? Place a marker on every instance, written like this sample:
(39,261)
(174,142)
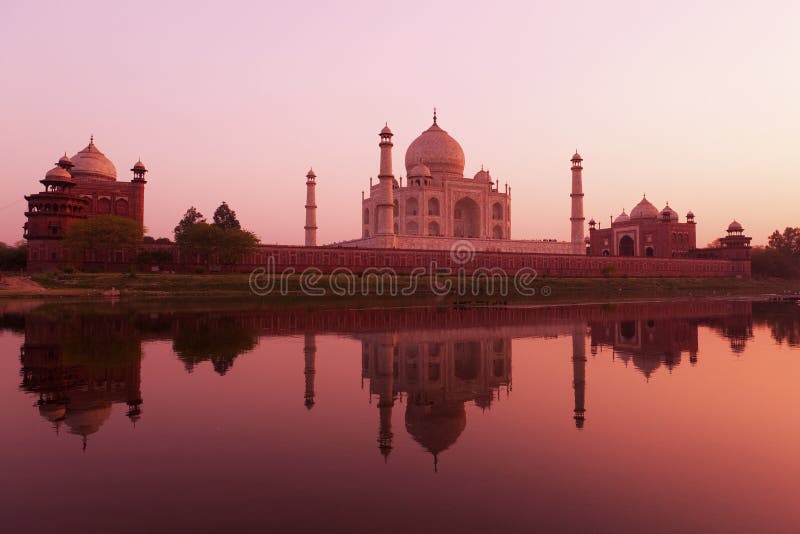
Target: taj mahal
(439,205)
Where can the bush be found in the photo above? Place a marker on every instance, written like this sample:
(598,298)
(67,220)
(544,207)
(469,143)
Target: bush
(13,258)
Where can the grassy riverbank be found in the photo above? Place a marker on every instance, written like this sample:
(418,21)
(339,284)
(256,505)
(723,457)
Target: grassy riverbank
(56,285)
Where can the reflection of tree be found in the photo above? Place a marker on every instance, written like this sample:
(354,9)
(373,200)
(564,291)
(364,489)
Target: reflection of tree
(783,321)
(217,339)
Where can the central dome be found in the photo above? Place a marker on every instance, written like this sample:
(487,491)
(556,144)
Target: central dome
(644,210)
(92,164)
(438,151)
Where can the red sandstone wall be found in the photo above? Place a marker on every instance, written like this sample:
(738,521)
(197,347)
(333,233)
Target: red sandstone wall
(327,259)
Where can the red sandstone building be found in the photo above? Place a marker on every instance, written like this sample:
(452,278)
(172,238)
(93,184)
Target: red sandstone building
(77,188)
(648,242)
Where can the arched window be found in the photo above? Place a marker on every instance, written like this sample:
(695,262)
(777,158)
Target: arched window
(649,252)
(467,218)
(627,247)
(433,228)
(497,232)
(433,207)
(366,216)
(396,208)
(412,228)
(104,205)
(497,211)
(121,206)
(412,206)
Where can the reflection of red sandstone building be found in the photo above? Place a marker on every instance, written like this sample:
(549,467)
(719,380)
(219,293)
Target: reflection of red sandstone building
(83,186)
(78,382)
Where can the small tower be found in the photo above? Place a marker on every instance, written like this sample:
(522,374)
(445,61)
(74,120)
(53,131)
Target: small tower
(49,214)
(385,207)
(137,198)
(577,219)
(309,370)
(311,209)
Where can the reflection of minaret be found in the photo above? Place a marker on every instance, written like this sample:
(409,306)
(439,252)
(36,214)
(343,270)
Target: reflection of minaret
(579,373)
(134,393)
(310,352)
(384,387)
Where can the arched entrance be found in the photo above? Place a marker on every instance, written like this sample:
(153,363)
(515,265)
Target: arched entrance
(627,247)
(466,218)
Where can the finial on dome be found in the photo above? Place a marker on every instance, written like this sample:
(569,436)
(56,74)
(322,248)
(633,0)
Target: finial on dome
(434,115)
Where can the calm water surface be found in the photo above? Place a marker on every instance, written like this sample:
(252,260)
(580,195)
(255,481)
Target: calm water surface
(626,418)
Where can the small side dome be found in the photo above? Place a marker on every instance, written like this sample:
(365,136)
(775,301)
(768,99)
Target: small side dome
(420,170)
(139,166)
(483,176)
(644,210)
(669,212)
(58,174)
(311,173)
(592,222)
(386,131)
(576,156)
(735,226)
(622,217)
(65,162)
(690,215)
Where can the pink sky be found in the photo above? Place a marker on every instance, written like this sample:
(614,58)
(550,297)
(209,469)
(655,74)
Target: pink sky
(695,103)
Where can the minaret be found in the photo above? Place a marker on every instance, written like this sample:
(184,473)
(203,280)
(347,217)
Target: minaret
(577,218)
(384,387)
(310,353)
(579,373)
(385,207)
(137,197)
(311,209)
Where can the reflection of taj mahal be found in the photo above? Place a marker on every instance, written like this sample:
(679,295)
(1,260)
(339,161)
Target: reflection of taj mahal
(436,374)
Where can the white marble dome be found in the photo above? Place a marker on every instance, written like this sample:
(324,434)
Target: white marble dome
(440,152)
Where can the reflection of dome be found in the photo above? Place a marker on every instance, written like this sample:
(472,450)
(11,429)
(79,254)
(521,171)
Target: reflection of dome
(622,217)
(644,210)
(53,412)
(93,164)
(436,427)
(84,421)
(440,152)
(420,170)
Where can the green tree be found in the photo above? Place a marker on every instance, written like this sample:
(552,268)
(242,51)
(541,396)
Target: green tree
(787,242)
(192,216)
(225,218)
(103,235)
(213,244)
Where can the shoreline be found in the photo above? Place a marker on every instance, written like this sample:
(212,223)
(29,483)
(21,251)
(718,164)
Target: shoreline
(82,286)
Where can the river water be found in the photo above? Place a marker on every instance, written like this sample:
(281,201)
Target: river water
(218,417)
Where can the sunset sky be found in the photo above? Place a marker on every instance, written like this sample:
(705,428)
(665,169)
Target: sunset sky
(696,103)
